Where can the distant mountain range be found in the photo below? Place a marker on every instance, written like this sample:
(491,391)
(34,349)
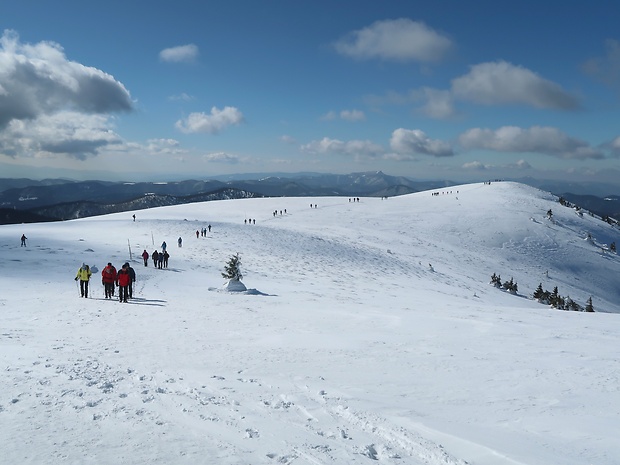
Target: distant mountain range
(26,200)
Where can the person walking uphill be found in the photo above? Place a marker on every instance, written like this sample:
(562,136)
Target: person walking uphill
(132,276)
(83,274)
(123,279)
(155,256)
(108,278)
(145,257)
(24,239)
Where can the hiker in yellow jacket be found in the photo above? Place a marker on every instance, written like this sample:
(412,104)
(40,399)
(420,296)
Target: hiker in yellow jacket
(83,274)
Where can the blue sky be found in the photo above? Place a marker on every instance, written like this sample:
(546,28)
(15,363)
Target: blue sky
(454,90)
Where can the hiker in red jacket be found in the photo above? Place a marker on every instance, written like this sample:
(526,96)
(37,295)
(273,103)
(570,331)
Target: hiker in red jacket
(123,278)
(145,257)
(108,278)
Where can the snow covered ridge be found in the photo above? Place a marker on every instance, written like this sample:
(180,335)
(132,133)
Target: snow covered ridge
(370,334)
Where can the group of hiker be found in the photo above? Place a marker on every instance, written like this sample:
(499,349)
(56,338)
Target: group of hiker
(160,259)
(124,278)
(110,278)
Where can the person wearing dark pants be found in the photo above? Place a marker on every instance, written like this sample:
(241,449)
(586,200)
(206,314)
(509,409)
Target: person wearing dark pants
(83,274)
(122,280)
(132,276)
(108,277)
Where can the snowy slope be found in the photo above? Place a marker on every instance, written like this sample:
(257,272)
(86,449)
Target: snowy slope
(369,333)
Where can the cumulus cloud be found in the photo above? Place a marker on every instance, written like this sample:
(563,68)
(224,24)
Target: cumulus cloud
(181,54)
(537,139)
(68,133)
(396,40)
(496,83)
(414,141)
(38,80)
(164,147)
(439,103)
(475,166)
(523,165)
(222,157)
(212,123)
(50,105)
(491,83)
(352,115)
(352,147)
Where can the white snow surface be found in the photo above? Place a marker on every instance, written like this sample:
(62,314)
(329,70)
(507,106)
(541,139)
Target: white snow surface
(368,333)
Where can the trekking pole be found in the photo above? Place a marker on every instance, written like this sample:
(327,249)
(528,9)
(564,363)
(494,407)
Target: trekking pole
(78,288)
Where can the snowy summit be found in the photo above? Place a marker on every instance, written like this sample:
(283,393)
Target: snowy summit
(369,332)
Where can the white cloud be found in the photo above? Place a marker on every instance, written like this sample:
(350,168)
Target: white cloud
(393,156)
(352,147)
(414,141)
(212,123)
(614,147)
(352,115)
(181,54)
(496,83)
(398,40)
(288,139)
(347,115)
(475,166)
(523,165)
(479,166)
(67,133)
(222,157)
(537,139)
(182,97)
(492,83)
(164,146)
(38,80)
(439,103)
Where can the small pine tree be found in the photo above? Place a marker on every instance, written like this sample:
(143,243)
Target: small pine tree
(549,214)
(612,247)
(233,269)
(539,292)
(496,280)
(589,306)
